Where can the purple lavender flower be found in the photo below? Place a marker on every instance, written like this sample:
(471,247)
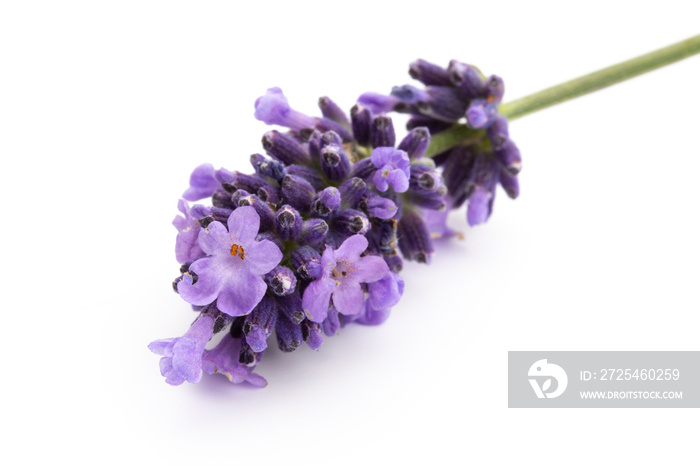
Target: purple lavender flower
(186,246)
(223,359)
(378,103)
(393,168)
(481,113)
(436,221)
(202,183)
(273,109)
(182,357)
(343,271)
(383,295)
(231,273)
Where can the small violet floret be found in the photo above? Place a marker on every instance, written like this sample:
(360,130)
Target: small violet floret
(273,109)
(224,360)
(182,357)
(393,168)
(202,183)
(343,271)
(231,273)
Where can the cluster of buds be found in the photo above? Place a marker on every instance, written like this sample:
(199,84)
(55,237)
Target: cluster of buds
(458,94)
(314,239)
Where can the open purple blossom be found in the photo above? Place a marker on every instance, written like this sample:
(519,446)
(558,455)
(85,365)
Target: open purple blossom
(186,245)
(393,168)
(202,183)
(224,360)
(182,357)
(273,109)
(343,272)
(231,273)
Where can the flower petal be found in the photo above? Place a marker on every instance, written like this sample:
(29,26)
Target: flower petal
(380,180)
(262,256)
(202,183)
(162,347)
(385,293)
(398,180)
(187,246)
(187,359)
(243,225)
(370,269)
(240,295)
(214,239)
(209,282)
(348,298)
(351,249)
(316,298)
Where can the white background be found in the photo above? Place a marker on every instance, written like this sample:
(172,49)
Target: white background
(106,107)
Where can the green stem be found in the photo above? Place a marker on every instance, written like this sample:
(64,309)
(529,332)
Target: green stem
(574,88)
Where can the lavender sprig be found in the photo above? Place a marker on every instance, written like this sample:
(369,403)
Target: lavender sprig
(316,236)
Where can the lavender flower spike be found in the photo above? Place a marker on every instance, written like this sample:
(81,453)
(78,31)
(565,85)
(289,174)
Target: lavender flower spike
(273,109)
(393,168)
(182,357)
(231,273)
(343,271)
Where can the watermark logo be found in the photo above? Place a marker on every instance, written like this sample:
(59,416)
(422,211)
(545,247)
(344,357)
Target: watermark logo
(542,373)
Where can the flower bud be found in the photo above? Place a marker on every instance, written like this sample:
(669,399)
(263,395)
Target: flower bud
(309,174)
(416,142)
(326,202)
(351,222)
(498,132)
(510,184)
(288,222)
(297,192)
(509,157)
(221,198)
(311,332)
(270,194)
(495,88)
(289,335)
(263,209)
(466,79)
(353,190)
(334,162)
(429,74)
(332,111)
(361,118)
(260,323)
(307,263)
(457,172)
(414,238)
(281,280)
(266,167)
(284,148)
(291,306)
(313,232)
(444,103)
(382,132)
(250,183)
